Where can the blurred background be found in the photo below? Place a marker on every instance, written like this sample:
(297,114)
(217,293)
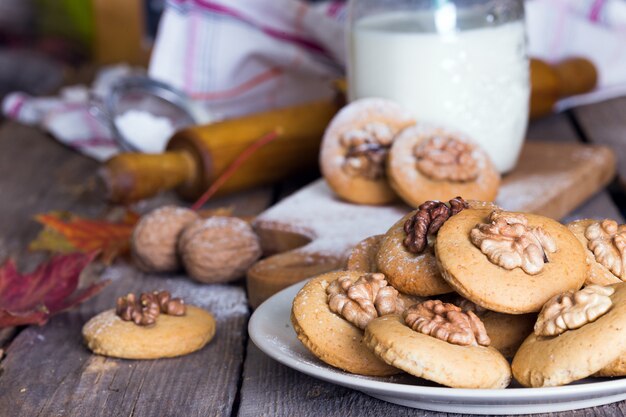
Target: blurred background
(47,43)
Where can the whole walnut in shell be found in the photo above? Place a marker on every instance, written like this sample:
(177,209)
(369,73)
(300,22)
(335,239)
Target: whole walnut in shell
(218,249)
(155,237)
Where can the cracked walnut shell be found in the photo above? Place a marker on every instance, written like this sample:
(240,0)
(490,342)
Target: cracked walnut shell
(572,310)
(218,249)
(362,300)
(155,237)
(508,241)
(447,322)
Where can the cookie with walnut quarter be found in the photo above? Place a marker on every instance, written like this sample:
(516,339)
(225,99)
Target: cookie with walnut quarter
(354,149)
(433,163)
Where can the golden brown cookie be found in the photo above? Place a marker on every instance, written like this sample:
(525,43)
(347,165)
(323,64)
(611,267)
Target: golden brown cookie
(363,255)
(506,331)
(581,349)
(328,335)
(526,281)
(428,357)
(605,259)
(107,334)
(354,149)
(414,274)
(434,163)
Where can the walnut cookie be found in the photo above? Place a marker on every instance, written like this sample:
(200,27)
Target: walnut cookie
(151,327)
(509,262)
(577,334)
(433,163)
(439,342)
(406,255)
(605,246)
(327,312)
(354,149)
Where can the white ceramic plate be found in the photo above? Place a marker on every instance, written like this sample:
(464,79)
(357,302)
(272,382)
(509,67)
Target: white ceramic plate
(270,329)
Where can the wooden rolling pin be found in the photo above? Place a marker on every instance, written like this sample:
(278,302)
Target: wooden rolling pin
(549,83)
(197,155)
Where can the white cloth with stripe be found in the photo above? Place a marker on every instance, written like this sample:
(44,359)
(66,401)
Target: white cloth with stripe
(241,56)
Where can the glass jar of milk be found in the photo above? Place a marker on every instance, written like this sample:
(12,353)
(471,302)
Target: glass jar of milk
(453,62)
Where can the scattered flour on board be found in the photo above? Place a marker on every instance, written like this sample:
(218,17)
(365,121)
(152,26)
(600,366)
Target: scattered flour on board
(334,226)
(223,301)
(520,195)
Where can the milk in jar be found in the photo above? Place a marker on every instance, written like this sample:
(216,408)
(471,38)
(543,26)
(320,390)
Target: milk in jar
(463,75)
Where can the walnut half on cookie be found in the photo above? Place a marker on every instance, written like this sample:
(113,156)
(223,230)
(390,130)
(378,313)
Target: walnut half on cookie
(604,242)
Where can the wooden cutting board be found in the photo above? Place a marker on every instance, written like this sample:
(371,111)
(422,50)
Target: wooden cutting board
(312,231)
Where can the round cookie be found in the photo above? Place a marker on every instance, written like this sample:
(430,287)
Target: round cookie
(544,361)
(107,334)
(409,273)
(354,149)
(598,273)
(434,359)
(363,255)
(470,272)
(433,163)
(506,331)
(329,336)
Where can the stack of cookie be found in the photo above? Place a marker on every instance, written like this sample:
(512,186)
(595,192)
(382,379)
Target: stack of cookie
(453,292)
(373,151)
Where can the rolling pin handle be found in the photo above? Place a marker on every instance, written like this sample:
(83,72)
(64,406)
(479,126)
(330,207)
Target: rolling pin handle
(129,177)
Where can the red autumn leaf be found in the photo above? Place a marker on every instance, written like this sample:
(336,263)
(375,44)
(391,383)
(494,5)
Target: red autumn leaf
(69,231)
(51,288)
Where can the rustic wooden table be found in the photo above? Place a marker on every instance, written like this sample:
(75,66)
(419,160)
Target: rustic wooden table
(47,371)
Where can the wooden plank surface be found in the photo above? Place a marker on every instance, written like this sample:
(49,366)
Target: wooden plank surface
(271,389)
(605,124)
(47,371)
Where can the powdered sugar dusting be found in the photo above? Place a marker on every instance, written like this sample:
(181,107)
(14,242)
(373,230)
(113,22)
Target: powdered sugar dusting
(533,190)
(334,226)
(222,301)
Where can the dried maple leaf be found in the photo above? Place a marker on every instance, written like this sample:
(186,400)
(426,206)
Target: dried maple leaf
(51,288)
(66,232)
